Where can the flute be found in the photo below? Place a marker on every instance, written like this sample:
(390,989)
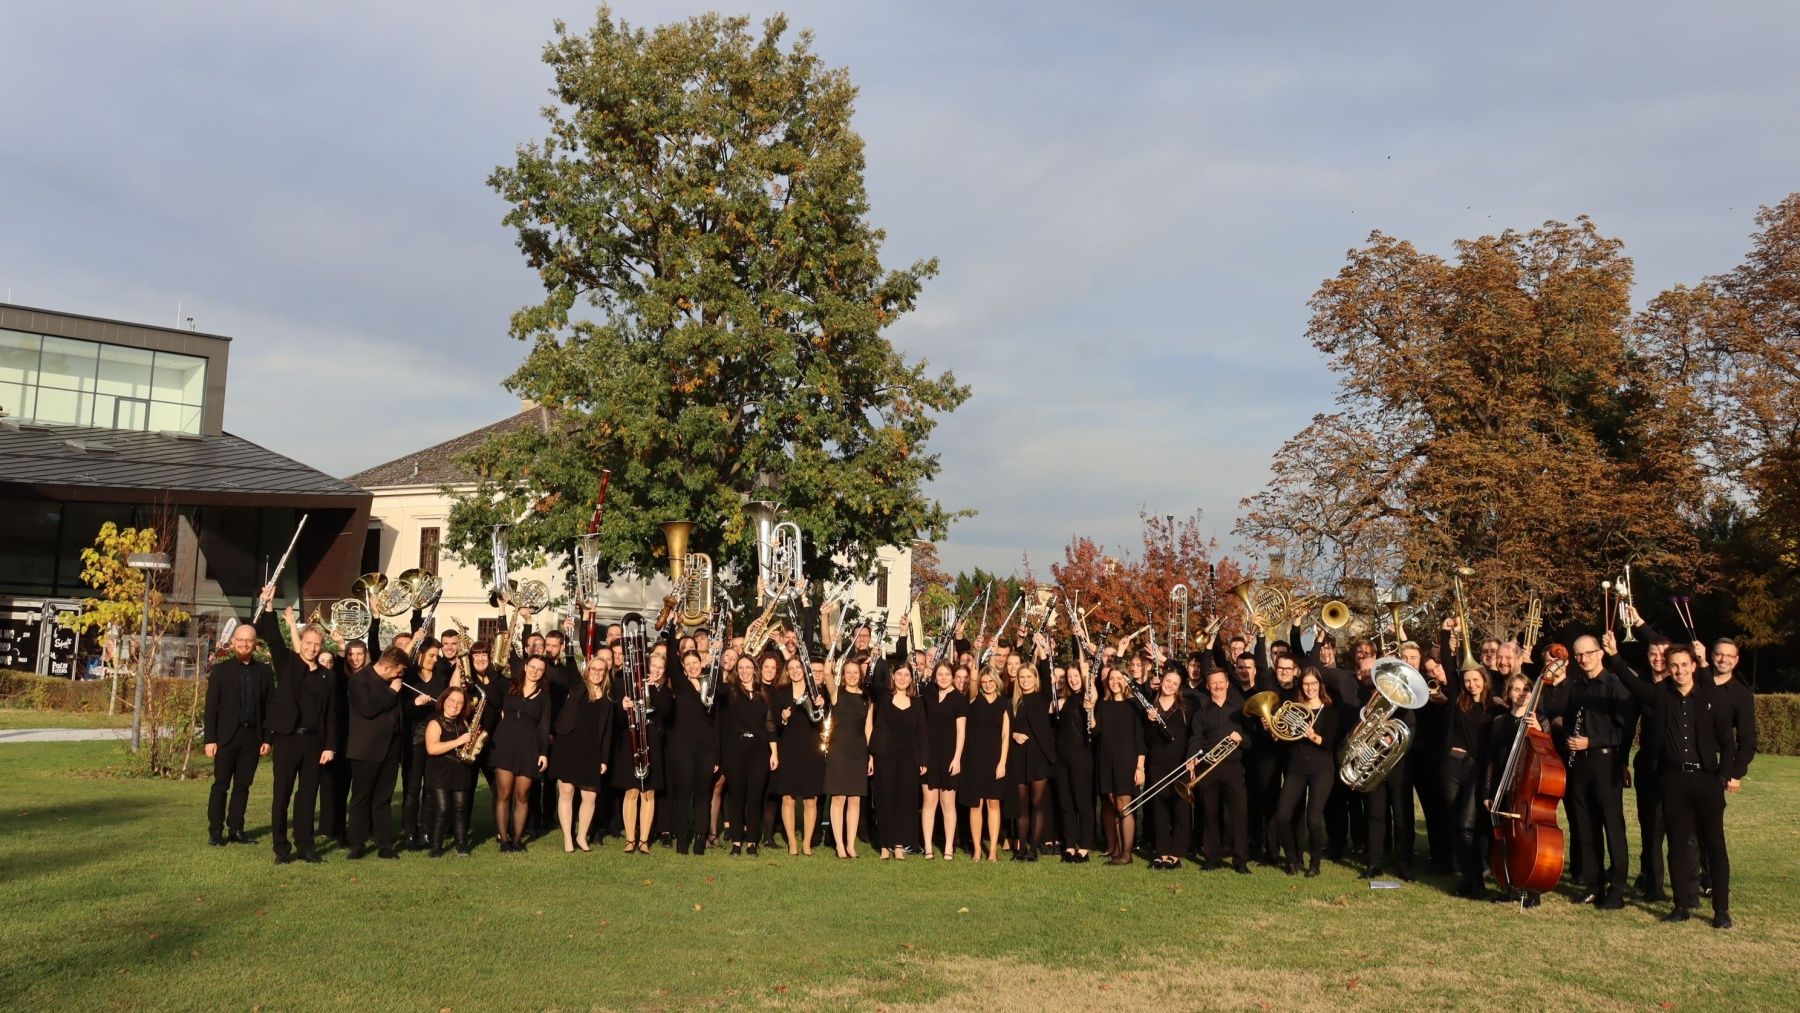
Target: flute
(279,567)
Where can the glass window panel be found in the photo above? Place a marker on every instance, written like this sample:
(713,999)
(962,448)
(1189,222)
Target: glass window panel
(28,544)
(64,407)
(125,371)
(179,379)
(68,364)
(127,413)
(18,400)
(18,357)
(166,418)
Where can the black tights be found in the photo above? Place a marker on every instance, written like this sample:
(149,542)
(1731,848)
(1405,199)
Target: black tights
(451,811)
(1032,825)
(1121,830)
(512,790)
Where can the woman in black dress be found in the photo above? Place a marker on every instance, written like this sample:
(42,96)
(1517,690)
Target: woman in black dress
(768,676)
(747,753)
(692,748)
(1311,770)
(1465,754)
(1162,754)
(639,807)
(450,781)
(521,750)
(847,764)
(946,724)
(1074,714)
(578,753)
(802,777)
(1119,729)
(898,754)
(984,770)
(1030,762)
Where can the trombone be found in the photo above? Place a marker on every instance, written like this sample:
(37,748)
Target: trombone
(1184,786)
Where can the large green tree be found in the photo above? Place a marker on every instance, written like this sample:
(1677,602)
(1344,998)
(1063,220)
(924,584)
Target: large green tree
(715,308)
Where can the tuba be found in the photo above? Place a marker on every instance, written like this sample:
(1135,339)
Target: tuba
(692,573)
(1287,721)
(763,514)
(1380,739)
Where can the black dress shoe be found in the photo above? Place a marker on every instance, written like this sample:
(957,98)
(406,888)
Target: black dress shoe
(1291,868)
(239,837)
(737,847)
(357,852)
(1406,873)
(1241,868)
(1214,863)
(216,839)
(1312,871)
(1721,921)
(1652,898)
(1532,900)
(751,850)
(1372,872)
(284,859)
(700,845)
(1679,914)
(1612,902)
(311,858)
(388,853)
(1587,897)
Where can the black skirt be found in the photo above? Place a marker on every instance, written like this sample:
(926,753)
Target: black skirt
(847,764)
(518,742)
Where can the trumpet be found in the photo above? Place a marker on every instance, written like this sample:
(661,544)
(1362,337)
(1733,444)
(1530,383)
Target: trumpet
(1626,602)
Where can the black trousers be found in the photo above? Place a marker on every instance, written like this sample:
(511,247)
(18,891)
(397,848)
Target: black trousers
(746,766)
(372,798)
(1315,786)
(1346,820)
(1075,803)
(1596,803)
(1427,785)
(1694,805)
(451,808)
(234,767)
(1172,829)
(1224,813)
(1263,793)
(689,786)
(297,775)
(1462,789)
(416,807)
(1646,782)
(1390,819)
(334,799)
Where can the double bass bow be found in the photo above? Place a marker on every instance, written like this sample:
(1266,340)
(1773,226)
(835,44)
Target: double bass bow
(1528,845)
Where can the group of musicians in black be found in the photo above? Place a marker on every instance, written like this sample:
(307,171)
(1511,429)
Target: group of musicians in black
(989,747)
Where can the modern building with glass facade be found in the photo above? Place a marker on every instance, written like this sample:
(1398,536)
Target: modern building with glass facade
(104,420)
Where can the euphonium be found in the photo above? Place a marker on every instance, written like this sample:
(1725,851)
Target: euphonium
(1380,739)
(1288,722)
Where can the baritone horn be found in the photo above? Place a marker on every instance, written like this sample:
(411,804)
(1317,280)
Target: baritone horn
(1380,738)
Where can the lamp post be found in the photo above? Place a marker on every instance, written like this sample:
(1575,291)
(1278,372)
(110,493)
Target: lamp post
(148,563)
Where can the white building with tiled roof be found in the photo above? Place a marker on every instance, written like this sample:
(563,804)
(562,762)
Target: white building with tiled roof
(411,513)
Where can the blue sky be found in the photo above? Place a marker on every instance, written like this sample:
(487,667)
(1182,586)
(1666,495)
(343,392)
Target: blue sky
(1131,202)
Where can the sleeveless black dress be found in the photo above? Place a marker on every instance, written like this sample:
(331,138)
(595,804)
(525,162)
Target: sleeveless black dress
(940,734)
(981,750)
(847,765)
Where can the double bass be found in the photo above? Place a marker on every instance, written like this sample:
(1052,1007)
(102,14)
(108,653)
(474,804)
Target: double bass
(1528,845)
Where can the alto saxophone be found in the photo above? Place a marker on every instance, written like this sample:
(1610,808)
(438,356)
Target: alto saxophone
(468,751)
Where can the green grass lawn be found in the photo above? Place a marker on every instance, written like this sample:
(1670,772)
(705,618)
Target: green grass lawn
(112,899)
(16,718)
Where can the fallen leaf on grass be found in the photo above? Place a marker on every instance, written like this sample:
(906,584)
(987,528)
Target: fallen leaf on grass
(156,935)
(696,907)
(1352,983)
(647,882)
(782,989)
(962,910)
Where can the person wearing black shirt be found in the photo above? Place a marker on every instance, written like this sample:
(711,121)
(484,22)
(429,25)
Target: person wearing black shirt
(1162,754)
(1597,715)
(1031,761)
(579,747)
(302,727)
(450,781)
(1390,816)
(1516,692)
(417,811)
(747,752)
(1222,802)
(1310,772)
(374,746)
(1466,744)
(237,700)
(946,723)
(692,748)
(1690,730)
(1075,763)
(334,778)
(1119,730)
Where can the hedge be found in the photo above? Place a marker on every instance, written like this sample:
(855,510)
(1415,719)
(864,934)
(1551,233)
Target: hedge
(1778,723)
(29,691)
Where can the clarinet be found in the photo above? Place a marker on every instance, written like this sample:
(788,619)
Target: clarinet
(1137,693)
(814,712)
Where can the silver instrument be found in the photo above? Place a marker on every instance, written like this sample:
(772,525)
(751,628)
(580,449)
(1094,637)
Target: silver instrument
(1380,738)
(810,685)
(587,571)
(1178,619)
(349,619)
(763,514)
(279,566)
(635,664)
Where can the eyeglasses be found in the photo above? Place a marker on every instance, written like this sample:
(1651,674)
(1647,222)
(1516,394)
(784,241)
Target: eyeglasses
(1586,654)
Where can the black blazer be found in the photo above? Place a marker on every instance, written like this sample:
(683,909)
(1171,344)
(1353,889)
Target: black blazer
(303,698)
(374,716)
(1713,738)
(227,712)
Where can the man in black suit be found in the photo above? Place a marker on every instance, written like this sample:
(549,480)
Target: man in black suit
(374,747)
(237,700)
(1687,722)
(301,728)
